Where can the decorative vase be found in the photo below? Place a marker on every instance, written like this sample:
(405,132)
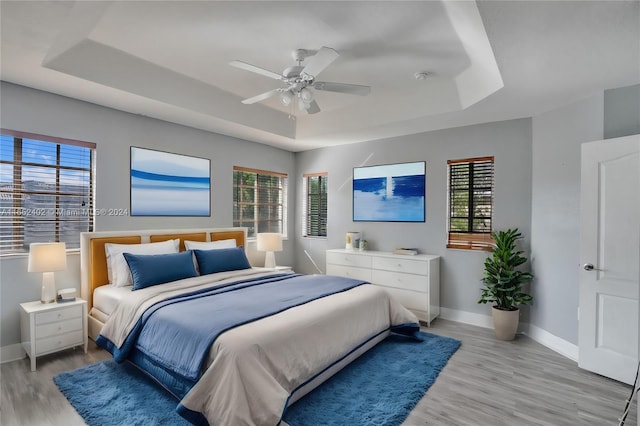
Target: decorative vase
(352,240)
(505,323)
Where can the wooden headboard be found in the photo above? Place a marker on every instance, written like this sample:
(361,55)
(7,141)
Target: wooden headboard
(93,259)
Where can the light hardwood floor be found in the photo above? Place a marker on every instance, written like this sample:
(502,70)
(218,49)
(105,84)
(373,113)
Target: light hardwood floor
(487,382)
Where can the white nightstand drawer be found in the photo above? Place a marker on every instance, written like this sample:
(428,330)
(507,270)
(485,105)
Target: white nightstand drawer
(51,344)
(348,259)
(60,314)
(401,265)
(55,328)
(345,271)
(398,280)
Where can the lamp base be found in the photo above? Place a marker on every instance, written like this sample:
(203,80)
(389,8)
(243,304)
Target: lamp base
(270,260)
(48,294)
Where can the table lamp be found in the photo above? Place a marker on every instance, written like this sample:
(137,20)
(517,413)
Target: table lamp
(47,258)
(269,242)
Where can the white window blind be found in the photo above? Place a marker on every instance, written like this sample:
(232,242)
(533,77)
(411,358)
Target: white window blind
(46,190)
(259,200)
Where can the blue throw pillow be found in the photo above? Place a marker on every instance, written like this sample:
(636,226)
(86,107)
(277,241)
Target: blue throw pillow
(152,269)
(221,260)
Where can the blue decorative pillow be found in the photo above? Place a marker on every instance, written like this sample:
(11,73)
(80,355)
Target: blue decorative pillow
(152,269)
(221,260)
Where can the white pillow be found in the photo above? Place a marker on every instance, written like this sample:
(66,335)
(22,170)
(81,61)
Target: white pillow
(213,245)
(117,267)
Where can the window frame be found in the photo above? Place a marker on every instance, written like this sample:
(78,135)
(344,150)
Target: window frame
(17,191)
(237,204)
(471,239)
(322,210)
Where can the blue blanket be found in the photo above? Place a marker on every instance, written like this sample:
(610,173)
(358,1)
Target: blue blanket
(178,332)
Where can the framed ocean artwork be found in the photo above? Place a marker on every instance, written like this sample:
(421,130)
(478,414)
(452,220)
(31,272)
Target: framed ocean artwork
(166,184)
(389,193)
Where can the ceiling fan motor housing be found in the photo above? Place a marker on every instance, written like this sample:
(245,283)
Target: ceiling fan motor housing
(292,72)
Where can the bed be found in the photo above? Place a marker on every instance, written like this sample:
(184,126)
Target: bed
(233,346)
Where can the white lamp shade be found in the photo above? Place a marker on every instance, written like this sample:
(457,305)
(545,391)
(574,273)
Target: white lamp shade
(286,98)
(269,241)
(47,257)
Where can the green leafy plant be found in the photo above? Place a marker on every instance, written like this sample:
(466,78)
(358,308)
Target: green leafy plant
(502,280)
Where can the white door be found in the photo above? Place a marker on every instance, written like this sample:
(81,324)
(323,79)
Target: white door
(609,253)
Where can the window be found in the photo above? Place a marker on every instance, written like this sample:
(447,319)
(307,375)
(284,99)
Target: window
(259,200)
(315,205)
(46,190)
(470,203)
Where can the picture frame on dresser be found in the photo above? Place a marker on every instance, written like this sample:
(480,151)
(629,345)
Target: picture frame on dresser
(413,280)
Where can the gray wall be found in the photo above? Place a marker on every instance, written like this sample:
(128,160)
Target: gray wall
(622,111)
(114,132)
(555,214)
(461,270)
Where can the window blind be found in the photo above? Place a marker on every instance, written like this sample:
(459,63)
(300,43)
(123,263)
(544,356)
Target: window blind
(259,200)
(46,190)
(315,205)
(470,203)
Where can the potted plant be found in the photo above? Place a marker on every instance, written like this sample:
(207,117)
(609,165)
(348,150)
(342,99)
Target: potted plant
(503,283)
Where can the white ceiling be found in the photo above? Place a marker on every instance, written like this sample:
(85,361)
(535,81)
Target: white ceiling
(489,61)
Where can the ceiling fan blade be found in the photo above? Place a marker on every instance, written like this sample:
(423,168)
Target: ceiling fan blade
(351,89)
(313,107)
(261,97)
(320,61)
(248,67)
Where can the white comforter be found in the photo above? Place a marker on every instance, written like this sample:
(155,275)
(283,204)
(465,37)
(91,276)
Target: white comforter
(253,369)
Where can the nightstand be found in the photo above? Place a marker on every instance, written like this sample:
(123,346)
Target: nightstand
(51,327)
(283,269)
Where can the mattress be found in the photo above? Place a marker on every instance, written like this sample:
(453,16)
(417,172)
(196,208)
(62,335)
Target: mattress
(107,297)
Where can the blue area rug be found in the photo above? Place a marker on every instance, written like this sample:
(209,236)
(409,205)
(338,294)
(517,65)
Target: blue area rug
(379,388)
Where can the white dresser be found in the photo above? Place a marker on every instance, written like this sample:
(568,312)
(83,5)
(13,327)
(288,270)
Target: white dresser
(413,280)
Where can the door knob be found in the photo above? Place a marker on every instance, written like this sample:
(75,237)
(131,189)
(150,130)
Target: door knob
(589,267)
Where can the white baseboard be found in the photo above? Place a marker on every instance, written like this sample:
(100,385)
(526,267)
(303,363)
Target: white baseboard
(11,353)
(555,343)
(464,317)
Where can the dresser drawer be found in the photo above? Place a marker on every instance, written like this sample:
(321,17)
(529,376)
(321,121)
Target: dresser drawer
(399,280)
(346,259)
(401,265)
(346,271)
(410,299)
(51,344)
(60,327)
(58,315)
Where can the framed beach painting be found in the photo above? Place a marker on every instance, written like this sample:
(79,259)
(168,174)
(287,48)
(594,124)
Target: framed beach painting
(166,184)
(389,193)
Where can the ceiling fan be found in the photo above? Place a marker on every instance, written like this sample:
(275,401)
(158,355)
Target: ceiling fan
(301,79)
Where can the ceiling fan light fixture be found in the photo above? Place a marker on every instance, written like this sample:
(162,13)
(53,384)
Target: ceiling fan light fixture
(286,97)
(306,95)
(303,106)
